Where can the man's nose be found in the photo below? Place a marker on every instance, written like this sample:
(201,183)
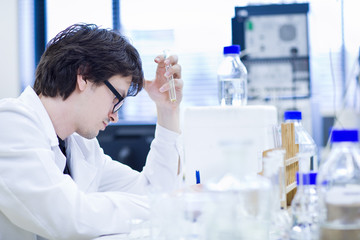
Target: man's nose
(114,117)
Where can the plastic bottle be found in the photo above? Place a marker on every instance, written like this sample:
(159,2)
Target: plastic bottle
(232,78)
(304,208)
(339,188)
(307,145)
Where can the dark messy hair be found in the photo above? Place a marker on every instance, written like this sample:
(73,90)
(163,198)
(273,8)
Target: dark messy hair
(85,49)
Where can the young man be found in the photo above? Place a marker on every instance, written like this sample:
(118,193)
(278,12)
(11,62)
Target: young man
(55,180)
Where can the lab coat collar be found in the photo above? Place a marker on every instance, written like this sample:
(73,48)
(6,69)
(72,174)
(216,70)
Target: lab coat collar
(29,96)
(82,172)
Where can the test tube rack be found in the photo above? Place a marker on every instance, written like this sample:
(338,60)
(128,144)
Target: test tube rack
(291,163)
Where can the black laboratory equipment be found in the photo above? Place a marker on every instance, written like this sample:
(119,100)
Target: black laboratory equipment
(127,143)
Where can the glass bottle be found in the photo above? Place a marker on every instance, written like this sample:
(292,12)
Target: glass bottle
(307,146)
(232,78)
(304,208)
(339,188)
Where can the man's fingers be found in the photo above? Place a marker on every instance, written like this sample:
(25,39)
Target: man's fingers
(166,86)
(171,60)
(174,70)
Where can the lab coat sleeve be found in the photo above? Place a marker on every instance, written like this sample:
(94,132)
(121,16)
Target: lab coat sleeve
(162,171)
(38,197)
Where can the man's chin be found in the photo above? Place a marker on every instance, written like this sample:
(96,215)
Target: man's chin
(89,135)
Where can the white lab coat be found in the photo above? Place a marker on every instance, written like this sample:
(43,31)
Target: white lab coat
(37,199)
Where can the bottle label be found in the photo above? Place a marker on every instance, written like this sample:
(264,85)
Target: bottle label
(232,91)
(347,195)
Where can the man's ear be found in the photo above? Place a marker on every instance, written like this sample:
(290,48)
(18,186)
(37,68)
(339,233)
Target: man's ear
(81,82)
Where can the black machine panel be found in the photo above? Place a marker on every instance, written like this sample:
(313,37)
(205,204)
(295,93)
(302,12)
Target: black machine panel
(128,144)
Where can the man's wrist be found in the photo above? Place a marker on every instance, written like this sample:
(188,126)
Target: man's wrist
(169,118)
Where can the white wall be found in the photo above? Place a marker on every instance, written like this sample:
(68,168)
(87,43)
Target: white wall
(9,49)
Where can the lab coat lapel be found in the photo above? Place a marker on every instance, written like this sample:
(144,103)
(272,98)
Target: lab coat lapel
(60,159)
(44,121)
(82,171)
(30,96)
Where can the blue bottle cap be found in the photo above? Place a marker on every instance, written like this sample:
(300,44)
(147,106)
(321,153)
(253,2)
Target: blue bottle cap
(308,178)
(295,115)
(233,49)
(345,135)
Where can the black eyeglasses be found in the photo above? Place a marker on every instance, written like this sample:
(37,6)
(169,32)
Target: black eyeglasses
(119,103)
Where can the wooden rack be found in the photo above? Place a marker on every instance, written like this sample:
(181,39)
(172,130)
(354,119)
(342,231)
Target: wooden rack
(291,162)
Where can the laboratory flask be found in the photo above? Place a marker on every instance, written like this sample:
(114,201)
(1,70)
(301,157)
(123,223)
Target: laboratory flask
(339,188)
(304,208)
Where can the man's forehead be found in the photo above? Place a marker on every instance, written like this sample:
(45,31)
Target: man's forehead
(119,78)
(121,83)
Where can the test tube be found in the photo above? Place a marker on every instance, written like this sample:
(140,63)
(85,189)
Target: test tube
(172,93)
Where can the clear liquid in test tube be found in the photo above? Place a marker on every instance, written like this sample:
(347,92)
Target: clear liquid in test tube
(172,93)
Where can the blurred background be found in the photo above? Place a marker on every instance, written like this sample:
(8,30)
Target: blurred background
(321,40)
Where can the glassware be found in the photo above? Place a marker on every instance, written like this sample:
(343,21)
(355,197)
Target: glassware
(232,78)
(303,138)
(240,208)
(274,170)
(172,92)
(339,188)
(304,208)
